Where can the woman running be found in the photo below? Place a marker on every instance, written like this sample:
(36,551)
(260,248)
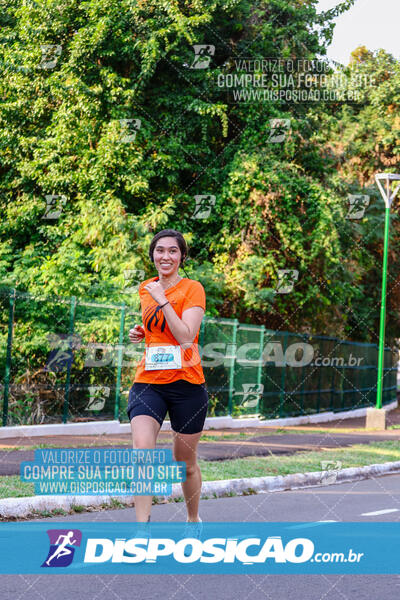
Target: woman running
(170,376)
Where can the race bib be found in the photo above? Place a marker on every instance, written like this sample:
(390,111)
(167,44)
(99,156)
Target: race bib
(163,357)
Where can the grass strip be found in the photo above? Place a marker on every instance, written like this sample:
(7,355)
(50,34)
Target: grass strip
(358,455)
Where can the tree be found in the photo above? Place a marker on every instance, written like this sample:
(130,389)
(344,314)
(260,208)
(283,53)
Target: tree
(106,120)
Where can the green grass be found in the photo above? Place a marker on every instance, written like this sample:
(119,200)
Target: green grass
(207,437)
(260,466)
(279,431)
(12,487)
(358,455)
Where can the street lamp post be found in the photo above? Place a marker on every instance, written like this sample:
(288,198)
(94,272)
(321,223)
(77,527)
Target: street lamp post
(384,181)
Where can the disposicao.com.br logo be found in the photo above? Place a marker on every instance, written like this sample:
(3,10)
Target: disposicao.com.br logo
(245,550)
(177,547)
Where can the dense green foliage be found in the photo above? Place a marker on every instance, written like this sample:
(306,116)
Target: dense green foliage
(277,206)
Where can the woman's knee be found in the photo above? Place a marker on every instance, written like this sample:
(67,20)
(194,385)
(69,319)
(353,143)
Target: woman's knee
(192,468)
(186,455)
(142,442)
(144,432)
(144,438)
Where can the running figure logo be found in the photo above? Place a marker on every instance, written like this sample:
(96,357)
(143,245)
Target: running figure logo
(204,203)
(62,542)
(202,56)
(278,130)
(61,355)
(358,204)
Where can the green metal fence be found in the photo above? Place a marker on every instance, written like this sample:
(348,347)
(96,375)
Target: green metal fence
(65,359)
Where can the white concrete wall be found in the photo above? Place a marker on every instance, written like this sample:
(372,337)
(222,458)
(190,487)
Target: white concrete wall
(115,427)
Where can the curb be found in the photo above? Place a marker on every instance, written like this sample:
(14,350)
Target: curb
(281,483)
(22,507)
(116,427)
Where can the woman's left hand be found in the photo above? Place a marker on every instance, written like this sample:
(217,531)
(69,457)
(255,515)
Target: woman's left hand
(156,291)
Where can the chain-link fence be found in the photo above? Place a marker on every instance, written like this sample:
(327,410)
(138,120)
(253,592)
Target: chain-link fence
(279,373)
(64,359)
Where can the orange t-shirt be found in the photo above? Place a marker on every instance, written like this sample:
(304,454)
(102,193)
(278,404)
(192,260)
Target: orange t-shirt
(185,294)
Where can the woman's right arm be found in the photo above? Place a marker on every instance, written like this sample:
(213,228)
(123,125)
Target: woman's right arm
(136,334)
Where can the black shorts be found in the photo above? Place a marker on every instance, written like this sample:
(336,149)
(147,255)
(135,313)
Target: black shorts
(185,402)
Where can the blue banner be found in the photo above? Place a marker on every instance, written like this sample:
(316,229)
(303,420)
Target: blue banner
(279,548)
(98,471)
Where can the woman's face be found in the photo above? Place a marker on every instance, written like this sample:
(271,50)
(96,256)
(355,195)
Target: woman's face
(167,256)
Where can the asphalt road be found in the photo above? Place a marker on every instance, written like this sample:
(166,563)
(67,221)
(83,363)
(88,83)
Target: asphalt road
(343,502)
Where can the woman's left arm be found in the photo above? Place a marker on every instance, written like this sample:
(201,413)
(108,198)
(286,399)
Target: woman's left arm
(184,330)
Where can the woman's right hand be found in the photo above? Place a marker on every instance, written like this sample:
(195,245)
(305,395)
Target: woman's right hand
(136,334)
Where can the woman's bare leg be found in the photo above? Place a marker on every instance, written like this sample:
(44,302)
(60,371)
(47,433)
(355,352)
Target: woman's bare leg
(144,435)
(185,449)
